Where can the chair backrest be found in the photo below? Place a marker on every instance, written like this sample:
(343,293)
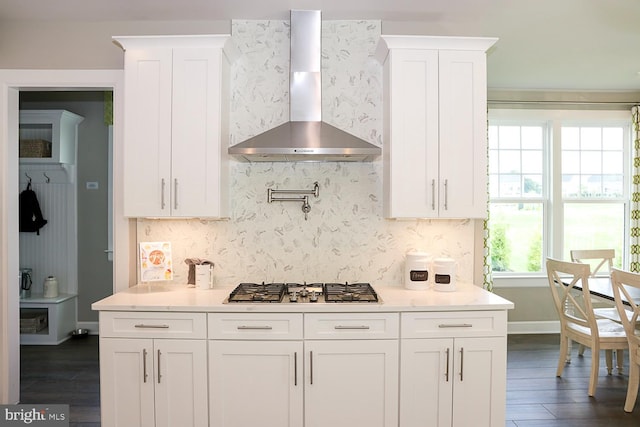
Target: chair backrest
(600,260)
(573,305)
(629,314)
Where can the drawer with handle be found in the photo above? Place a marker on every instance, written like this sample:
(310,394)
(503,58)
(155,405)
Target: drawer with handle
(351,325)
(255,326)
(121,324)
(453,324)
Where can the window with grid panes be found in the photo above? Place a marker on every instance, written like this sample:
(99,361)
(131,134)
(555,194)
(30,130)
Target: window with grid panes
(558,180)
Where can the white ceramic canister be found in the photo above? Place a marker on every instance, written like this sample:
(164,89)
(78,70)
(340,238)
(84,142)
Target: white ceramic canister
(416,271)
(444,274)
(50,287)
(204,276)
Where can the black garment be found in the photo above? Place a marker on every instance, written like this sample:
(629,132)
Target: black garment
(31,219)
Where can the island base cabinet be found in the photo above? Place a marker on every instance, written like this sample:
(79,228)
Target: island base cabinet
(153,382)
(457,382)
(351,383)
(255,383)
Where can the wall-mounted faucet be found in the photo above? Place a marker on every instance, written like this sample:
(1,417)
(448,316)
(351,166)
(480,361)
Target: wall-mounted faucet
(306,207)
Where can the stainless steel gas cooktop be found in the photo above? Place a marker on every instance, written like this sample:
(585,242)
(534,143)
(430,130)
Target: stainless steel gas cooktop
(303,293)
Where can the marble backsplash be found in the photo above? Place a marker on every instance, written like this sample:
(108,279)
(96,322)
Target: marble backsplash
(345,237)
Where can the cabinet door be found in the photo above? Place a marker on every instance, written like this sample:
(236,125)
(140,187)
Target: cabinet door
(426,378)
(196,134)
(126,382)
(351,383)
(479,391)
(411,148)
(255,383)
(463,134)
(147,132)
(180,378)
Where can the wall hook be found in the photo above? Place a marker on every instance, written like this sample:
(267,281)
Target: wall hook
(47,177)
(28,177)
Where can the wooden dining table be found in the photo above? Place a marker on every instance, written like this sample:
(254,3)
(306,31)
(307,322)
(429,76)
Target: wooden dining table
(602,288)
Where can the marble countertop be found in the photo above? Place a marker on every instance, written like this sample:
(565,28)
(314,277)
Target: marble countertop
(181,298)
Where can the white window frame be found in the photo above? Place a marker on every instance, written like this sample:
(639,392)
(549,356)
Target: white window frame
(553,203)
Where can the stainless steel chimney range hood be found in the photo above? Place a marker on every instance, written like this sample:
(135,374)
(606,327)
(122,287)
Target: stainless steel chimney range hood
(305,137)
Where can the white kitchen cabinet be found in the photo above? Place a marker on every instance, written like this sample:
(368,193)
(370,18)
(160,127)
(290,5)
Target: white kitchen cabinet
(342,372)
(59,128)
(435,126)
(453,370)
(149,378)
(351,383)
(255,370)
(176,126)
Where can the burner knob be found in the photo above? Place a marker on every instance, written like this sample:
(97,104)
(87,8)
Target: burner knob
(304,292)
(313,297)
(293,296)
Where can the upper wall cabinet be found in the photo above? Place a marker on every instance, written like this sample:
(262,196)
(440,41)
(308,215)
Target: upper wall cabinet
(176,125)
(435,126)
(48,136)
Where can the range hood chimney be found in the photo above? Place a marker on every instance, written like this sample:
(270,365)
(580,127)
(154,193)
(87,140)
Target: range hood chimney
(305,137)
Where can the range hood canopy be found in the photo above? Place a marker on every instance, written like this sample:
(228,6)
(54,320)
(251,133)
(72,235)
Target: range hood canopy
(305,137)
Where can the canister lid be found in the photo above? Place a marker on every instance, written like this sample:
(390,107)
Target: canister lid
(444,261)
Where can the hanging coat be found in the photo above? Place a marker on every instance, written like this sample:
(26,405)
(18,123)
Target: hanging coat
(31,219)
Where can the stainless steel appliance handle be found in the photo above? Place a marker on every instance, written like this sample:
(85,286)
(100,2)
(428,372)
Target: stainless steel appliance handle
(311,367)
(159,374)
(351,327)
(446,374)
(295,368)
(145,326)
(245,327)
(175,193)
(433,194)
(162,204)
(455,325)
(144,365)
(461,363)
(446,194)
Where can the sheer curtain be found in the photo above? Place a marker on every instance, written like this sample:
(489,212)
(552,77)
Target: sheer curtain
(634,250)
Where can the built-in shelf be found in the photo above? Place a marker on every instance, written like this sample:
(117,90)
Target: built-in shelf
(60,315)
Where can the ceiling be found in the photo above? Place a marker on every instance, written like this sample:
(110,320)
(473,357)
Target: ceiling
(567,45)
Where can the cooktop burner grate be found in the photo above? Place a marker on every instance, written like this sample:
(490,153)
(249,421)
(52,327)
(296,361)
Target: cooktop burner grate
(303,293)
(254,292)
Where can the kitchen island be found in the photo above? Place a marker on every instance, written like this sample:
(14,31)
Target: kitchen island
(173,355)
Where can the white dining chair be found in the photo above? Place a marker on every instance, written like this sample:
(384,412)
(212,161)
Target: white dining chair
(600,263)
(600,260)
(629,315)
(578,322)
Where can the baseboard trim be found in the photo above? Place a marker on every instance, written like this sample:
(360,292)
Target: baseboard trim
(539,327)
(93,327)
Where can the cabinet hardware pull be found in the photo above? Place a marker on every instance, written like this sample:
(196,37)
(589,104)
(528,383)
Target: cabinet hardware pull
(446,374)
(455,325)
(244,327)
(144,365)
(162,204)
(311,367)
(433,194)
(144,326)
(351,327)
(461,363)
(175,193)
(295,368)
(159,375)
(446,194)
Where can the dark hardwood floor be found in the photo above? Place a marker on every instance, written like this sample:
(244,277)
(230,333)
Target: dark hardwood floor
(536,397)
(69,374)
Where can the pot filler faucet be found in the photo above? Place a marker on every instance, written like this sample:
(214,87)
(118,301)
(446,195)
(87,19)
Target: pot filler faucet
(306,207)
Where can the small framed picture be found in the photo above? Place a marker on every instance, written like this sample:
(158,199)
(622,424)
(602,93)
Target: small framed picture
(155,261)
